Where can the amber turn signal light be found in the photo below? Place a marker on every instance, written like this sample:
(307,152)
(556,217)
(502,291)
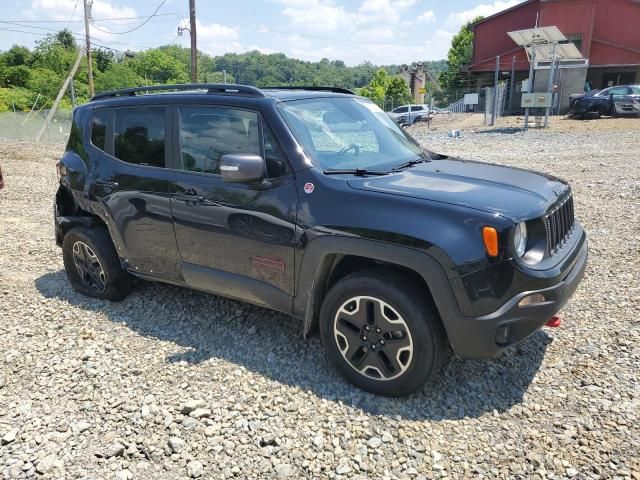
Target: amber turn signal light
(490,238)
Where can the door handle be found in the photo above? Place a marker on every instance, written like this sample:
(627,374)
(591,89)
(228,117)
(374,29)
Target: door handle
(108,185)
(189,198)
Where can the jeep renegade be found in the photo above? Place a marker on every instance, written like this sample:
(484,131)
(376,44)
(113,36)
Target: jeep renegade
(313,202)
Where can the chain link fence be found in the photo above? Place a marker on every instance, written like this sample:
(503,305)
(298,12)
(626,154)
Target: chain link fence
(26,125)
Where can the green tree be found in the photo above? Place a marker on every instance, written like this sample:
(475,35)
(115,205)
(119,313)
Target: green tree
(45,81)
(386,90)
(118,75)
(452,81)
(66,40)
(103,59)
(15,76)
(398,92)
(157,66)
(16,56)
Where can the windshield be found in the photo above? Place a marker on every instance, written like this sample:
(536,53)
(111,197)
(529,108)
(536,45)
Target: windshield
(349,133)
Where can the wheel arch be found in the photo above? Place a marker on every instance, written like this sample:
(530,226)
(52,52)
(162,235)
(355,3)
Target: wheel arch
(69,215)
(328,259)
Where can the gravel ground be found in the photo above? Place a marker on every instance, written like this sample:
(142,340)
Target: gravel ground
(173,383)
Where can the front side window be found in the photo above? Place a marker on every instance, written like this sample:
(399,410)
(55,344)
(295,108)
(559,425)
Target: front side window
(208,133)
(401,110)
(635,90)
(349,133)
(139,135)
(277,165)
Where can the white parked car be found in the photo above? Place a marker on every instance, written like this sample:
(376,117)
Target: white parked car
(438,110)
(409,114)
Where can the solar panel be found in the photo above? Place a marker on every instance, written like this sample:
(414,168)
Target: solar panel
(537,36)
(564,51)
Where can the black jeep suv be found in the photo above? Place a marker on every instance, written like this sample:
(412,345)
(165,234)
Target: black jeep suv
(313,202)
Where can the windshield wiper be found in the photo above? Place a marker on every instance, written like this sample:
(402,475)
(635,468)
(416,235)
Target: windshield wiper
(410,163)
(358,172)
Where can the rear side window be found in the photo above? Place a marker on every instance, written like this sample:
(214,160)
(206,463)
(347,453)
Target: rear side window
(416,108)
(618,91)
(139,135)
(635,90)
(99,128)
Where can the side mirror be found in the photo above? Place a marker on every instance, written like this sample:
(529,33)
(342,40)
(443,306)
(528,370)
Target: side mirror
(242,168)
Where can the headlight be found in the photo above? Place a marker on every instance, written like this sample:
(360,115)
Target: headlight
(520,238)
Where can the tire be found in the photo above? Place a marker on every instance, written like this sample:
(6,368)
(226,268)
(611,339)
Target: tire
(388,363)
(86,252)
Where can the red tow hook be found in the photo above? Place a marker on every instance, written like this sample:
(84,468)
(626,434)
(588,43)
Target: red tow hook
(555,322)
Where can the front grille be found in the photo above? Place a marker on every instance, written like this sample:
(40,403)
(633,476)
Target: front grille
(559,223)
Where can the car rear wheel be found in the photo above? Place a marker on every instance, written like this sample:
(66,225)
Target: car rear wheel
(381,334)
(92,265)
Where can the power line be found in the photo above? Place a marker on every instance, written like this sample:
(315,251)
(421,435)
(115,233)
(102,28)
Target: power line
(135,28)
(255,28)
(78,35)
(95,19)
(72,14)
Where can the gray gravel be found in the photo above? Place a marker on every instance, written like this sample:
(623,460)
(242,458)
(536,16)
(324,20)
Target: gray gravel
(173,383)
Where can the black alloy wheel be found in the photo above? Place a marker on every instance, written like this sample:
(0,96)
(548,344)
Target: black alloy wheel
(89,267)
(381,333)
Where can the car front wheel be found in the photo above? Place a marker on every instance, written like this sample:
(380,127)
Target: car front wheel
(381,334)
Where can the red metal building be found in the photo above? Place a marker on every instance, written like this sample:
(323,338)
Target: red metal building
(607,33)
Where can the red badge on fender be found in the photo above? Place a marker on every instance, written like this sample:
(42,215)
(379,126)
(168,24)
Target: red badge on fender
(308,187)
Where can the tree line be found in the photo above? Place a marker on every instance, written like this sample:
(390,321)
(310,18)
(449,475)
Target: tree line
(29,73)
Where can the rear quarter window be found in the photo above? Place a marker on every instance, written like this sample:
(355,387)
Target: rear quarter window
(99,124)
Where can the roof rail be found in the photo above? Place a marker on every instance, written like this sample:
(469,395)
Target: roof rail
(220,88)
(307,87)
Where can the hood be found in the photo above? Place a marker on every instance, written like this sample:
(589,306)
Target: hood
(511,192)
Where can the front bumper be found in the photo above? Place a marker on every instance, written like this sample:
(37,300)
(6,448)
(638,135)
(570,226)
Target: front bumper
(488,335)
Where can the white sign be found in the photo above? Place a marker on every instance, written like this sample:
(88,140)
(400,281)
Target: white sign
(471,99)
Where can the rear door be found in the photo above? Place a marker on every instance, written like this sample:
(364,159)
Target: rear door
(130,188)
(234,239)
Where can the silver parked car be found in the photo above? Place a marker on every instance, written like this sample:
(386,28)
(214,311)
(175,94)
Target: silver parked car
(409,114)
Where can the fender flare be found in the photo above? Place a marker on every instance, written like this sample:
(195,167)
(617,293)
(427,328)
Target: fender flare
(316,264)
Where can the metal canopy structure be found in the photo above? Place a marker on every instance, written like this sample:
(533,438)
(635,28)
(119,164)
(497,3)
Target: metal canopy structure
(537,36)
(549,46)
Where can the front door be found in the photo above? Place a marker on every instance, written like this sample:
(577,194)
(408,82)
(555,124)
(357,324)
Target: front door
(234,239)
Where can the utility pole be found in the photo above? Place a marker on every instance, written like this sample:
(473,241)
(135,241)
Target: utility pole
(87,15)
(194,50)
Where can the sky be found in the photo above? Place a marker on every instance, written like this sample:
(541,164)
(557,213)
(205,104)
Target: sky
(354,31)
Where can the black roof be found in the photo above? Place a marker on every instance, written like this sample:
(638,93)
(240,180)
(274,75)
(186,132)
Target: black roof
(282,93)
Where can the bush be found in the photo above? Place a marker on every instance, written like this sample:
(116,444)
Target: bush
(15,76)
(20,98)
